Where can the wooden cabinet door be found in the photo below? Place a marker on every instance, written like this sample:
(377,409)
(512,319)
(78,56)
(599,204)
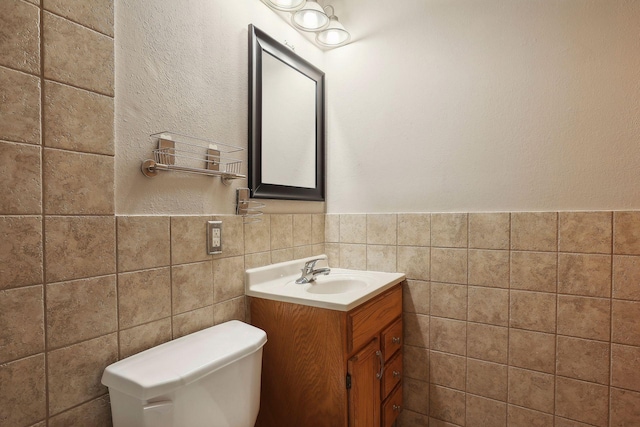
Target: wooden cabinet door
(364,394)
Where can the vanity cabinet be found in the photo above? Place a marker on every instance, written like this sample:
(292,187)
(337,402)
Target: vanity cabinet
(326,367)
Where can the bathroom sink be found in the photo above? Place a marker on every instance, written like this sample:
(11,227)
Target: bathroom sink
(336,284)
(342,289)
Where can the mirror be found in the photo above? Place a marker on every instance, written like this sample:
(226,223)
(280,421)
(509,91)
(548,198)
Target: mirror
(286,122)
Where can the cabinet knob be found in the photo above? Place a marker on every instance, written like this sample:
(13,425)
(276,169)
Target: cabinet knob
(395,340)
(397,408)
(396,374)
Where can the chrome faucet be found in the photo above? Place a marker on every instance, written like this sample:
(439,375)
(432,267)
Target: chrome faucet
(309,272)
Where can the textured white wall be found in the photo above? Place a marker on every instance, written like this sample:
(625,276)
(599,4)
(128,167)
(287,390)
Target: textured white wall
(183,66)
(485,105)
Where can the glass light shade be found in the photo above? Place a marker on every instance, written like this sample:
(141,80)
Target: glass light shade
(284,5)
(310,18)
(334,35)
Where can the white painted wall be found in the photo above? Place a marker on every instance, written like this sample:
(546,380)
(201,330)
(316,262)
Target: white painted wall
(485,105)
(183,66)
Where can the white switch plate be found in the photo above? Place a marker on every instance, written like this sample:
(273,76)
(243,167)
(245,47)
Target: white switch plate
(214,237)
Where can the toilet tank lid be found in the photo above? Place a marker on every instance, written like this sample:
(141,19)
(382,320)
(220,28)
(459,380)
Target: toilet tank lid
(176,363)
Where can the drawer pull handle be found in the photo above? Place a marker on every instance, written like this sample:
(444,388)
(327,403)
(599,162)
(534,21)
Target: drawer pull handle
(395,340)
(396,374)
(397,408)
(379,374)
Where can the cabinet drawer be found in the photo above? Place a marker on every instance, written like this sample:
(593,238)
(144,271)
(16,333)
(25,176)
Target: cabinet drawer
(392,339)
(366,322)
(392,407)
(392,375)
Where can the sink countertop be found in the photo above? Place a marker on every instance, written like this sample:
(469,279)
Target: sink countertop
(277,282)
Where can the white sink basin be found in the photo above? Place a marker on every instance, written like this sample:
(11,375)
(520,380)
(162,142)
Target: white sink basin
(341,289)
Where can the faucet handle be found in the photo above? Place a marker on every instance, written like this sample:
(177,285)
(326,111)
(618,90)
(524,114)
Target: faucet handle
(310,265)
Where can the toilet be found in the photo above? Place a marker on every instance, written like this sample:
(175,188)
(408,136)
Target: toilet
(209,378)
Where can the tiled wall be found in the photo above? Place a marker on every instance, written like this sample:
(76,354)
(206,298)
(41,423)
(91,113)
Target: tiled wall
(521,319)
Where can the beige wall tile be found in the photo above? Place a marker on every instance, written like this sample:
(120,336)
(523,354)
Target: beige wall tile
(78,120)
(232,235)
(143,242)
(487,379)
(281,231)
(21,192)
(449,265)
(583,359)
(76,55)
(487,342)
(412,419)
(353,228)
(20,251)
(305,251)
(22,320)
(20,36)
(415,296)
(23,393)
(257,235)
(353,256)
(448,300)
(625,322)
(94,413)
(483,412)
(535,311)
(228,278)
(192,321)
(192,286)
(624,367)
(143,337)
(282,255)
(189,239)
(415,362)
(382,229)
(447,370)
(489,268)
(415,395)
(382,258)
(414,261)
(434,422)
(584,317)
(332,228)
(80,310)
(98,15)
(144,296)
(449,230)
(563,422)
(534,271)
(489,230)
(447,404)
(317,228)
(414,229)
(20,107)
(448,335)
(79,246)
(522,417)
(74,372)
(587,232)
(582,401)
(257,260)
(65,193)
(532,350)
(489,305)
(233,309)
(533,390)
(580,274)
(415,329)
(301,229)
(332,250)
(534,231)
(626,229)
(625,408)
(626,277)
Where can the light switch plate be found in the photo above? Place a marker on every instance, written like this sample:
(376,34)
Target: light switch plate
(214,237)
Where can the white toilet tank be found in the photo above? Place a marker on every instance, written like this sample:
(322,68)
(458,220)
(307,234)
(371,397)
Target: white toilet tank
(210,378)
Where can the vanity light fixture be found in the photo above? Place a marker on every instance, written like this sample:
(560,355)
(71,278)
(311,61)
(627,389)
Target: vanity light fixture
(309,16)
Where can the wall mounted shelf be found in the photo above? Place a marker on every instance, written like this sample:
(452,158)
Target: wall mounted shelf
(182,153)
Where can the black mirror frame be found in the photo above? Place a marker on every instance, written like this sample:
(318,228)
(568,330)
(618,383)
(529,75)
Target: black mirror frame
(260,42)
